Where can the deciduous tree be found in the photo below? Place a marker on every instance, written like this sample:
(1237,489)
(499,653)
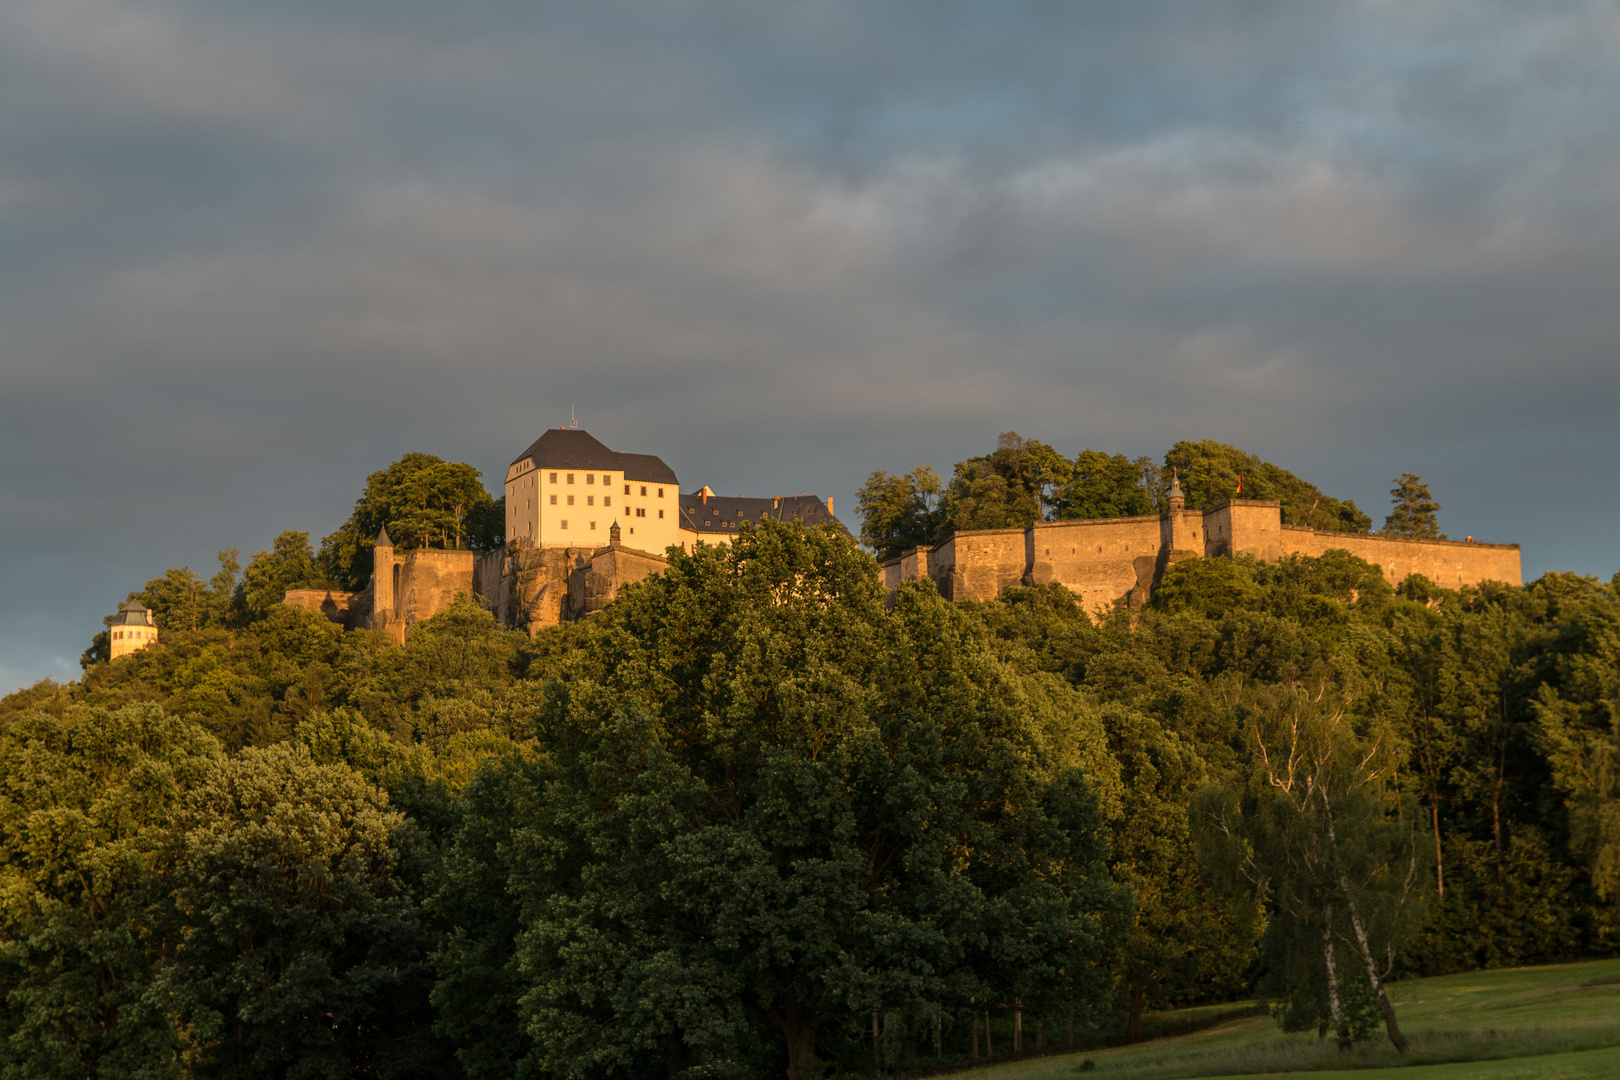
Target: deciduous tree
(425,501)
(770,807)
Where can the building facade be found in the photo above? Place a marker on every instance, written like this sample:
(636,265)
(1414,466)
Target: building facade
(567,489)
(131,630)
(582,521)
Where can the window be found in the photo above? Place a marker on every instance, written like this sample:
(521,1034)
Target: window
(627,490)
(607,500)
(570,478)
(570,500)
(644,489)
(554,500)
(627,511)
(606,479)
(565,523)
(660,513)
(660,495)
(590,478)
(593,526)
(553,478)
(640,511)
(590,500)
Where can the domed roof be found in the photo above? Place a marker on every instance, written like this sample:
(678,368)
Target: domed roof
(134,613)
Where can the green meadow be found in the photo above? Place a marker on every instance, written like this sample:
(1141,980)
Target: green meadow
(1554,1022)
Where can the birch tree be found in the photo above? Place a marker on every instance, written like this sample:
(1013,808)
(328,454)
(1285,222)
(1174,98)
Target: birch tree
(1317,836)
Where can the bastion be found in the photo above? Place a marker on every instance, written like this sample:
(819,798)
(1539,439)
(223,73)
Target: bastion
(1113,560)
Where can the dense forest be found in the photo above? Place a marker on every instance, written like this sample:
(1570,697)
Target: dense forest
(757,819)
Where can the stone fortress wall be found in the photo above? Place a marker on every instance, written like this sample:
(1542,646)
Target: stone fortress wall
(1119,559)
(530,585)
(525,587)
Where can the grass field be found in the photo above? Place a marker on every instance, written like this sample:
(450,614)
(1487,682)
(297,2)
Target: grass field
(1560,1022)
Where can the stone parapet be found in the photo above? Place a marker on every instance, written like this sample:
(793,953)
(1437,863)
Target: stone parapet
(1451,564)
(1114,560)
(340,607)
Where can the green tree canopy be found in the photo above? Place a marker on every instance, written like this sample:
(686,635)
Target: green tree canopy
(425,501)
(289,564)
(1414,510)
(85,800)
(898,512)
(771,807)
(296,941)
(1009,488)
(1209,474)
(1103,486)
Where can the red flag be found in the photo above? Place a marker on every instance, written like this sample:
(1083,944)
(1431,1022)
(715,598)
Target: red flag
(1240,481)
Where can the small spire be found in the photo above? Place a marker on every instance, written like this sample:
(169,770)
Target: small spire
(1175,485)
(613,535)
(382,538)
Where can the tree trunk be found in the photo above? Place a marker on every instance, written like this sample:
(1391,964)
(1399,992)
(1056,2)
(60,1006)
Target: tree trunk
(1335,1013)
(1138,1006)
(1040,1036)
(1018,1031)
(975,1028)
(989,1048)
(674,1051)
(1439,861)
(939,1036)
(798,1027)
(877,1043)
(1394,1029)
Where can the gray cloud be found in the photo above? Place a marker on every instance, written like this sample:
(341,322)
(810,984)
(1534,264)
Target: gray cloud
(253,252)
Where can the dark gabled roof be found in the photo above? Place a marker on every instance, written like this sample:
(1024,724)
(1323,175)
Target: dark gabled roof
(571,448)
(722,514)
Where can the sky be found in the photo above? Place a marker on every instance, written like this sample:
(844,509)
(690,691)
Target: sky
(252,252)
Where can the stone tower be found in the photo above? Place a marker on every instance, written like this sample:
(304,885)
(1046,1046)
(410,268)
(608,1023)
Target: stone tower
(132,629)
(384,581)
(1180,530)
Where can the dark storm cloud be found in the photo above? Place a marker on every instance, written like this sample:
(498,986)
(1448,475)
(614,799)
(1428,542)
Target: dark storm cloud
(250,252)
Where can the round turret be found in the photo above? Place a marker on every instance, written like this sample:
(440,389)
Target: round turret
(131,630)
(1176,499)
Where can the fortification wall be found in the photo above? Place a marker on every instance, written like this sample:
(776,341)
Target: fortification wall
(1450,564)
(429,580)
(1181,536)
(595,585)
(340,607)
(977,565)
(1244,527)
(1103,560)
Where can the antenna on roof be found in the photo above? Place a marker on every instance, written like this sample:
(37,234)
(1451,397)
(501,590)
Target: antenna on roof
(571,421)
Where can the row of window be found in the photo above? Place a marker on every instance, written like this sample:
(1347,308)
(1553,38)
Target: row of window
(590,478)
(639,513)
(120,635)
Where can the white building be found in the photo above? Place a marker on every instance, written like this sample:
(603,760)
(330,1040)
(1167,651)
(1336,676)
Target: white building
(567,490)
